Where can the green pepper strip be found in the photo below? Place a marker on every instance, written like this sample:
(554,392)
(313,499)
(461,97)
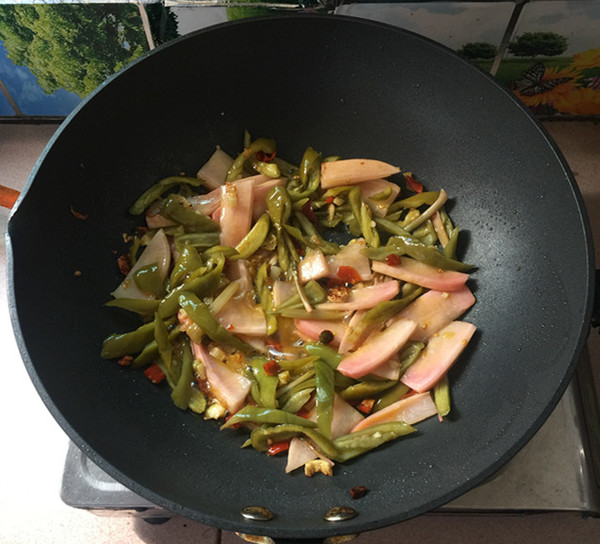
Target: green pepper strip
(427,234)
(137,305)
(155,192)
(400,245)
(359,442)
(296,364)
(266,299)
(313,236)
(188,261)
(267,168)
(222,251)
(429,255)
(279,207)
(260,277)
(120,344)
(310,175)
(182,392)
(382,195)
(441,396)
(450,249)
(297,235)
(178,209)
(200,286)
(394,394)
(314,293)
(287,169)
(297,384)
(255,238)
(150,352)
(446,221)
(200,314)
(408,356)
(148,279)
(366,389)
(364,217)
(300,313)
(428,213)
(161,336)
(310,383)
(197,239)
(325,353)
(416,201)
(263,437)
(269,416)
(297,400)
(393,228)
(266,392)
(266,145)
(385,310)
(324,396)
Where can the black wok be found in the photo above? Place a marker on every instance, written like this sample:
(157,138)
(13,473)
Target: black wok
(347,87)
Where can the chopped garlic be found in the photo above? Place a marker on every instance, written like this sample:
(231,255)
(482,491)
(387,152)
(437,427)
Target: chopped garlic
(199,371)
(318,465)
(283,378)
(215,411)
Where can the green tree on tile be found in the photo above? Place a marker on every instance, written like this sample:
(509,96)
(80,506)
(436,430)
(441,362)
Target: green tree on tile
(478,50)
(74,47)
(533,44)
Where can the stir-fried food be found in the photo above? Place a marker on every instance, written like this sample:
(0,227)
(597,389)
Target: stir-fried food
(317,305)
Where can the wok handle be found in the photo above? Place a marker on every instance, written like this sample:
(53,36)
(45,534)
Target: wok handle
(8,197)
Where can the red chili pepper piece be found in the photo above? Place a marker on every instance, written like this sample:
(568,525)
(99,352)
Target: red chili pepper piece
(330,200)
(334,283)
(308,211)
(413,183)
(265,157)
(348,274)
(154,373)
(235,425)
(278,447)
(358,491)
(303,413)
(392,260)
(274,344)
(124,264)
(271,368)
(125,360)
(366,406)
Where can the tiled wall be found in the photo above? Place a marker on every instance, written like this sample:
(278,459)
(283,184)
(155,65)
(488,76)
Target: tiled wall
(53,54)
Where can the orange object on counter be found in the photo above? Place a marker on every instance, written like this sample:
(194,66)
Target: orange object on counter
(8,196)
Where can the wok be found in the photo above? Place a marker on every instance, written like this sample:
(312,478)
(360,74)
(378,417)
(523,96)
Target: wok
(348,87)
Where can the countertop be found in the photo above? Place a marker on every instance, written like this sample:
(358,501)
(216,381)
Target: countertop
(34,446)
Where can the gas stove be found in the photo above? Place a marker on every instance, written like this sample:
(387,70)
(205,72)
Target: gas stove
(557,471)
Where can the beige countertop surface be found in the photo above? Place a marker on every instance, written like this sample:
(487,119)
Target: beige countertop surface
(33,448)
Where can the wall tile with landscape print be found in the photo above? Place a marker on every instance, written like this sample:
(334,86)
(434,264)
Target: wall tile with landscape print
(53,54)
(474,29)
(553,60)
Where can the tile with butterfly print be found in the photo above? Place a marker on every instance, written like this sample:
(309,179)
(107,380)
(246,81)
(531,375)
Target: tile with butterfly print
(553,60)
(474,29)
